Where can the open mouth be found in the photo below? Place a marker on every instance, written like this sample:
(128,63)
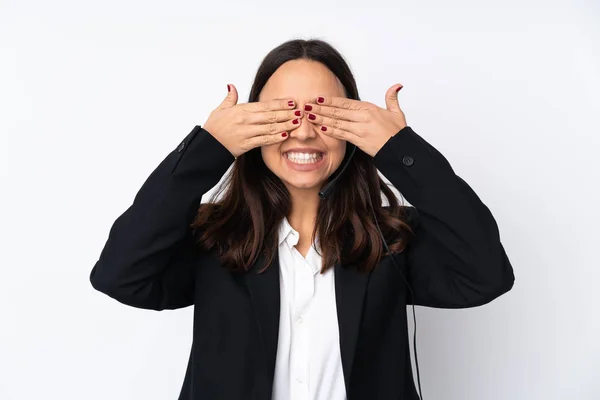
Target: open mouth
(304,158)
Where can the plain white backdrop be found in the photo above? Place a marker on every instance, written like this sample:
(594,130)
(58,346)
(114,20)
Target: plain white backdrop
(94,95)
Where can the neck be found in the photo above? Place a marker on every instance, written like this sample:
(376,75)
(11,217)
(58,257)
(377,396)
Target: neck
(303,215)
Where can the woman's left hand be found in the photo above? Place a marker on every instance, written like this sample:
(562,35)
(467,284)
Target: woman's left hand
(362,123)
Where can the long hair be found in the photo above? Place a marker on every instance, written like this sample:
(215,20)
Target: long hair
(244,223)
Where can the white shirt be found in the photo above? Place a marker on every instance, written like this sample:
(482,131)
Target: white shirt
(308,364)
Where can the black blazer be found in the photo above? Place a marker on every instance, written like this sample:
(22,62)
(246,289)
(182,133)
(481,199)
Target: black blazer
(149,261)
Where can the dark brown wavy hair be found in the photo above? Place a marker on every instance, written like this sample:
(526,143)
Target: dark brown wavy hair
(245,221)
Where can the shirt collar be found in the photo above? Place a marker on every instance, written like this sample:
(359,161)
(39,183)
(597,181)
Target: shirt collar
(290,235)
(287,233)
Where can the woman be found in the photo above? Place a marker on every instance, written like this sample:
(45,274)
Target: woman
(295,296)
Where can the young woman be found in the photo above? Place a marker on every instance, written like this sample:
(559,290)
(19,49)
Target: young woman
(299,276)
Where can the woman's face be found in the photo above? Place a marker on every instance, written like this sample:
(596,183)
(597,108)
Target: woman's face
(303,81)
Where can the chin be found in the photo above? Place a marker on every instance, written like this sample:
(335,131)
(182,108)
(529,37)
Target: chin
(304,184)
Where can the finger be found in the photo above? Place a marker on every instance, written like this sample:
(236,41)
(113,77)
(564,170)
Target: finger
(273,116)
(339,133)
(231,99)
(391,98)
(338,113)
(271,105)
(266,140)
(274,127)
(340,102)
(348,126)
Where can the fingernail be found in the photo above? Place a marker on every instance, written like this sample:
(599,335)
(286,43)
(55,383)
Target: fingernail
(291,103)
(311,116)
(284,134)
(307,107)
(323,128)
(320,100)
(397,90)
(298,113)
(295,122)
(228,88)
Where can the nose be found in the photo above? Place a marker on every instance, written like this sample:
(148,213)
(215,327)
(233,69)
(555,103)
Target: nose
(306,131)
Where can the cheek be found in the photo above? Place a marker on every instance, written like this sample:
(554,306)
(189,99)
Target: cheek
(269,154)
(338,150)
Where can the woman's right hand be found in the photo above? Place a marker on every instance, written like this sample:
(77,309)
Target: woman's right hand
(242,127)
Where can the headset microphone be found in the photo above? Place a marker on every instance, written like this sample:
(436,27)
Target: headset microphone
(324,194)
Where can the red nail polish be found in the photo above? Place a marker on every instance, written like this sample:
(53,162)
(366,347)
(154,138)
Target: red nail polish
(298,113)
(320,100)
(291,103)
(312,116)
(323,128)
(284,134)
(307,107)
(228,88)
(295,122)
(397,90)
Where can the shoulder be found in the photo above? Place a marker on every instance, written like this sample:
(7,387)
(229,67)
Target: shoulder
(412,215)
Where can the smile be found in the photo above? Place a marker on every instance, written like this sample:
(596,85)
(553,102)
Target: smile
(304,161)
(304,158)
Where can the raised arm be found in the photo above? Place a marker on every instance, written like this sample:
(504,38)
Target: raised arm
(149,258)
(456,259)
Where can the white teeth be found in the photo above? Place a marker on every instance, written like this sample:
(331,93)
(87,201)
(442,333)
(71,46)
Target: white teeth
(304,158)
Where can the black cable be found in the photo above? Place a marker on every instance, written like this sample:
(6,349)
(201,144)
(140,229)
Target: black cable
(412,297)
(324,194)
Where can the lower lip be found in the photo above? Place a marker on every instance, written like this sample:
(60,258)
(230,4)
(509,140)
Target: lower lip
(304,167)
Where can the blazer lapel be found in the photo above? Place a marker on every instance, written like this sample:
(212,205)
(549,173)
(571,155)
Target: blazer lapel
(350,288)
(265,296)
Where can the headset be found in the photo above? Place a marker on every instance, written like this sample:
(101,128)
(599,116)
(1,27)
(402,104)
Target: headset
(324,194)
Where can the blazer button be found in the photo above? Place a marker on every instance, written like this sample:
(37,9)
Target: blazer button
(180,148)
(408,161)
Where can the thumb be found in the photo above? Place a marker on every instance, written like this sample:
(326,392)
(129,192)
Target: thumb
(391,98)
(231,99)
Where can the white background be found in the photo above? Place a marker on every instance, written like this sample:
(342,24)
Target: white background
(93,95)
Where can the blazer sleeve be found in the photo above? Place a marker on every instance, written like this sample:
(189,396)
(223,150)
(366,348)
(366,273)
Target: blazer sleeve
(456,259)
(149,258)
